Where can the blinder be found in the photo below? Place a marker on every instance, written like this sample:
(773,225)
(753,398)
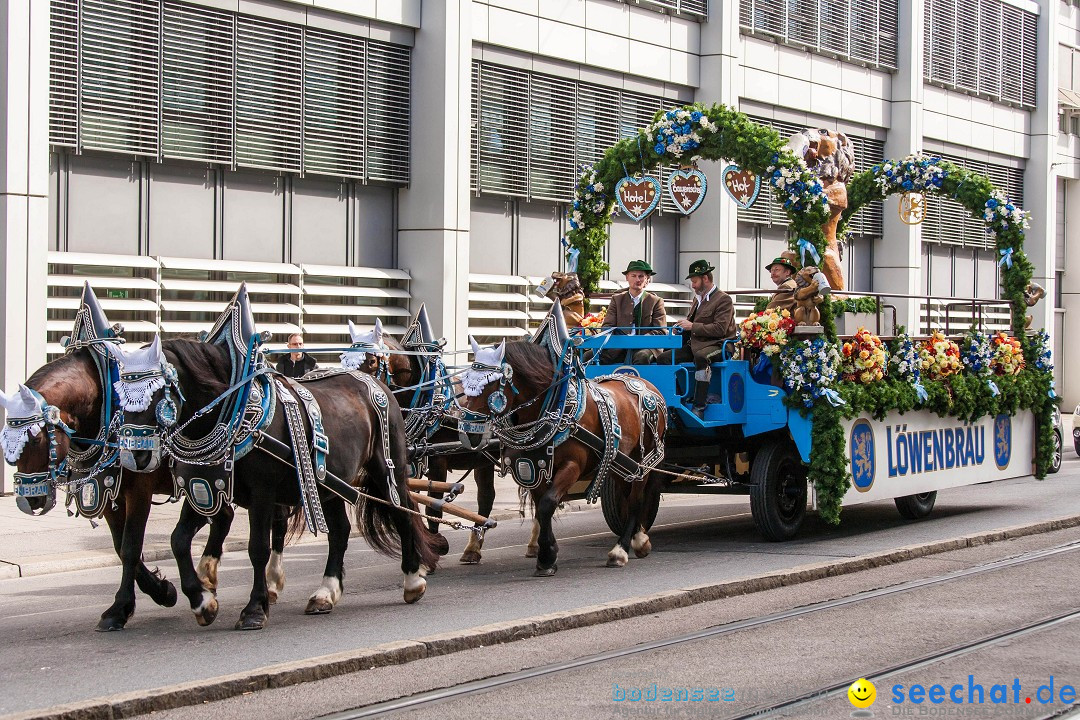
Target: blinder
(39,484)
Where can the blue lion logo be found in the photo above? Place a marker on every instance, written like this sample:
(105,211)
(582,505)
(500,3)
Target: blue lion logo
(863,457)
(1002,441)
(736,389)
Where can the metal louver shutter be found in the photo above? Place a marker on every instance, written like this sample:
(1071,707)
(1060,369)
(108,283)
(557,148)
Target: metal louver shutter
(1012,63)
(120,75)
(803,22)
(503,129)
(864,30)
(595,131)
(746,13)
(888,29)
(694,7)
(943,41)
(834,25)
(551,156)
(197,84)
(967,51)
(1029,53)
(268,92)
(990,47)
(771,16)
(388,107)
(870,219)
(474,127)
(333,104)
(64,72)
(928,34)
(948,222)
(636,112)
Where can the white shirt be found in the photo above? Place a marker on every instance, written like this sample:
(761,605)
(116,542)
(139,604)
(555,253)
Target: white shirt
(700,300)
(637,301)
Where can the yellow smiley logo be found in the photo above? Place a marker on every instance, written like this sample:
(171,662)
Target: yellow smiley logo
(862,693)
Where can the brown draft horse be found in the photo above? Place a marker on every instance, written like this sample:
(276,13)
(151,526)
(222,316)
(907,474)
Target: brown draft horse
(200,373)
(523,373)
(71,384)
(401,373)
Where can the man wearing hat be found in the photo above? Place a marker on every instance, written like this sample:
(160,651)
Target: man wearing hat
(782,271)
(635,308)
(710,322)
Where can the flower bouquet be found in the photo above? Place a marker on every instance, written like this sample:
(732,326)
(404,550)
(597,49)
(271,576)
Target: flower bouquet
(593,321)
(940,356)
(1008,355)
(767,331)
(810,369)
(863,358)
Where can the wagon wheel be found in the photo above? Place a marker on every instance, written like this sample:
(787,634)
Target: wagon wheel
(611,501)
(778,491)
(916,507)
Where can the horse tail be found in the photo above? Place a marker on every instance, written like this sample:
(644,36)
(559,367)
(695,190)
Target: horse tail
(293,520)
(382,525)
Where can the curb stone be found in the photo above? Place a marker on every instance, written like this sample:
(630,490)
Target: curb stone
(395,653)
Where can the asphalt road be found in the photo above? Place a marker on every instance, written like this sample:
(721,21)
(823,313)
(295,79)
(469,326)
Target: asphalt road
(50,654)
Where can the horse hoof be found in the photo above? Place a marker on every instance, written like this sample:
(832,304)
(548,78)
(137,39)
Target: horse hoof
(546,572)
(252,622)
(617,557)
(469,557)
(644,550)
(531,551)
(440,544)
(272,595)
(170,595)
(110,624)
(318,606)
(207,614)
(412,596)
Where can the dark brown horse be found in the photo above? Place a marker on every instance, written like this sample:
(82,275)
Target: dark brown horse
(404,373)
(72,385)
(518,388)
(356,416)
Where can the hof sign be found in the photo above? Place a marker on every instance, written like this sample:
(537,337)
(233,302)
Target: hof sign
(920,452)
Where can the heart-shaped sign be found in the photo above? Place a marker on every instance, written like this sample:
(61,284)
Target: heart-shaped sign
(742,185)
(686,187)
(637,197)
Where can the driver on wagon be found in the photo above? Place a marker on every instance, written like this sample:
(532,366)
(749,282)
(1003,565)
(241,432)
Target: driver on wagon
(635,308)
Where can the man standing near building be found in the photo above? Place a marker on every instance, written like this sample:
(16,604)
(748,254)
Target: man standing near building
(297,363)
(782,271)
(710,322)
(635,308)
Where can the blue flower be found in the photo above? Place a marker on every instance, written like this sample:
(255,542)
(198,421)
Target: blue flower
(876,169)
(991,203)
(669,115)
(908,185)
(658,148)
(1010,207)
(577,204)
(695,116)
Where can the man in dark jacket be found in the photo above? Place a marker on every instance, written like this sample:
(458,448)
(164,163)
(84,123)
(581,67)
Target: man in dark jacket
(782,271)
(635,308)
(710,322)
(297,363)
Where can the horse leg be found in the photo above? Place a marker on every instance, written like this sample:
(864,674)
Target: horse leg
(202,599)
(649,504)
(547,547)
(275,569)
(326,597)
(260,517)
(215,546)
(136,509)
(618,555)
(437,471)
(533,547)
(485,500)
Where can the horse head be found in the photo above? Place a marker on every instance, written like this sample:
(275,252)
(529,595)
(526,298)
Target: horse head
(484,388)
(35,440)
(146,386)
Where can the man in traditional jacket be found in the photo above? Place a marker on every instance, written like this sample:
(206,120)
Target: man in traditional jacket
(782,271)
(710,322)
(635,308)
(297,363)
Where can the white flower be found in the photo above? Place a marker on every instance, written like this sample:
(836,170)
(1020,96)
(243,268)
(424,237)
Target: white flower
(599,187)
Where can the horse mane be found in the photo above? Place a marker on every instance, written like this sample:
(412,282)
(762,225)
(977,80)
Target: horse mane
(67,374)
(207,365)
(531,363)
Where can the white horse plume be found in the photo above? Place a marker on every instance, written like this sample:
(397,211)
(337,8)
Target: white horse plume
(475,380)
(355,359)
(135,395)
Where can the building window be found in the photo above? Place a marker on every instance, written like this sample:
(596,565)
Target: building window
(168,79)
(862,31)
(697,9)
(981,47)
(950,223)
(531,133)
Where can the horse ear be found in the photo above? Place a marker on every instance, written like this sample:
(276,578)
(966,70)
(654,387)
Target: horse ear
(500,353)
(116,351)
(27,395)
(353,332)
(378,331)
(475,346)
(6,400)
(155,348)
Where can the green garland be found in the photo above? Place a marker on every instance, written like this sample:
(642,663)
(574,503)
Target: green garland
(696,132)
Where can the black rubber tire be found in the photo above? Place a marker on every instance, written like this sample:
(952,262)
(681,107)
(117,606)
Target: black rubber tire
(610,500)
(778,491)
(1055,458)
(916,507)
